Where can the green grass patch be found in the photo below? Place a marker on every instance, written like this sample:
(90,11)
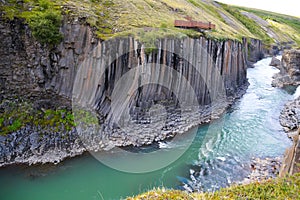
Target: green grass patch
(208,8)
(281,18)
(85,117)
(250,24)
(43,16)
(149,36)
(17,115)
(279,188)
(291,24)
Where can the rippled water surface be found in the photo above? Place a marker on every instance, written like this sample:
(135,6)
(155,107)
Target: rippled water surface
(218,156)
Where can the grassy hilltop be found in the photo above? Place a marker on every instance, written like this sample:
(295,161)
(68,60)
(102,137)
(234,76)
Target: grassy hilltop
(121,17)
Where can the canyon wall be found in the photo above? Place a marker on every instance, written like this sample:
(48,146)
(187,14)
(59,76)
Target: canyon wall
(254,50)
(214,71)
(289,75)
(291,160)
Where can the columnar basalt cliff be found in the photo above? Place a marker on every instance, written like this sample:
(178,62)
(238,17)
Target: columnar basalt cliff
(45,77)
(254,50)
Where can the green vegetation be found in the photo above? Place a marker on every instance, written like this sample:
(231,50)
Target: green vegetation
(44,21)
(149,36)
(17,115)
(43,16)
(280,18)
(251,25)
(280,188)
(287,27)
(85,117)
(208,8)
(111,18)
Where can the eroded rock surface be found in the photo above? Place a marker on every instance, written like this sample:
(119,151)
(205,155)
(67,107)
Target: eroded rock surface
(289,74)
(291,161)
(290,116)
(275,62)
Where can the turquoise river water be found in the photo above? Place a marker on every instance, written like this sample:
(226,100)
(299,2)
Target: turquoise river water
(250,128)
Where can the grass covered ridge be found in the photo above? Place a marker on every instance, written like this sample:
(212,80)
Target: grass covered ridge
(280,188)
(118,17)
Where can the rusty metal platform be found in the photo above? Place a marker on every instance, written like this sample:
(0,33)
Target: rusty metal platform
(190,23)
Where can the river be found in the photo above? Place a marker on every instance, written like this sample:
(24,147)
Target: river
(249,129)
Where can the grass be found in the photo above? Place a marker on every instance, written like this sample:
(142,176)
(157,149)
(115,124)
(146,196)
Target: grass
(280,18)
(287,27)
(17,115)
(279,188)
(43,16)
(250,24)
(285,32)
(111,18)
(149,36)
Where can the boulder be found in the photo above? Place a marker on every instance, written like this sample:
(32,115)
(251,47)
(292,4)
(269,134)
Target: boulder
(275,62)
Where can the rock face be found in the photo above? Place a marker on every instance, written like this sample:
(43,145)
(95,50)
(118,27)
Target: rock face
(290,116)
(254,50)
(291,159)
(275,62)
(46,77)
(290,120)
(289,70)
(43,75)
